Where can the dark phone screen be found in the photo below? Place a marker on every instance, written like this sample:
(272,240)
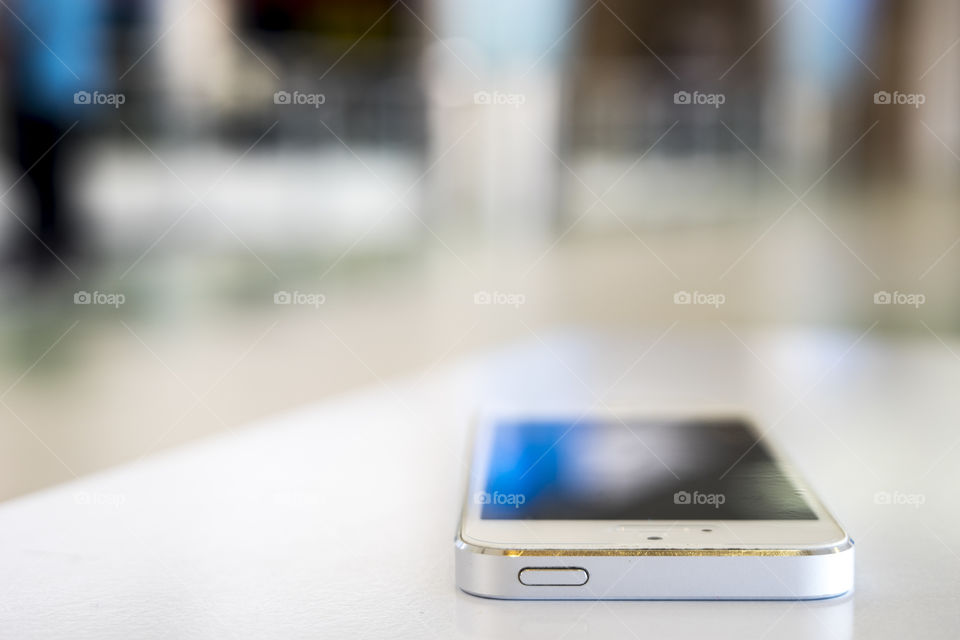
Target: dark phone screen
(646,470)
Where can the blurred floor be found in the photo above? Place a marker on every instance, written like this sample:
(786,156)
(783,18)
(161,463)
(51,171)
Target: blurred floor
(89,386)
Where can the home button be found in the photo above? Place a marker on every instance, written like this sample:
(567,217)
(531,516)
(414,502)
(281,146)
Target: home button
(553,576)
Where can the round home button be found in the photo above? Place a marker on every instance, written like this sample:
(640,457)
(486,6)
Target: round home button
(553,576)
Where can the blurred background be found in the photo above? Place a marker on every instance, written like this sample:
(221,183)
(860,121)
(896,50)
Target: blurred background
(214,210)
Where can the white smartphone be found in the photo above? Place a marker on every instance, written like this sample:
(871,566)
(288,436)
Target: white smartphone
(618,506)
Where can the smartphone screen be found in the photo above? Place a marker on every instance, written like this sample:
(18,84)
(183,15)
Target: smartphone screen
(640,470)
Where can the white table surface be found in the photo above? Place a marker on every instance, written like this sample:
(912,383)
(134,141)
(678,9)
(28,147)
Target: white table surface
(338,520)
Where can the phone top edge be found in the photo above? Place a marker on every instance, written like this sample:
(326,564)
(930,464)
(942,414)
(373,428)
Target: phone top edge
(840,547)
(487,414)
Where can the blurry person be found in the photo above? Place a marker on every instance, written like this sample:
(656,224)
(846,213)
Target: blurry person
(54,53)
